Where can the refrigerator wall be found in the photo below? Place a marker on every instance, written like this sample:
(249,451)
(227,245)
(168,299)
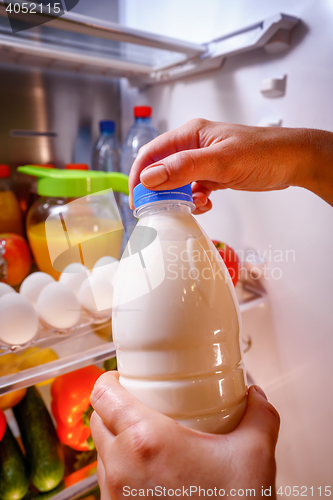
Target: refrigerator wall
(292,338)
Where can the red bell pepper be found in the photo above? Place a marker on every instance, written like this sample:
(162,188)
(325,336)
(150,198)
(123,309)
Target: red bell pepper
(71,406)
(3,424)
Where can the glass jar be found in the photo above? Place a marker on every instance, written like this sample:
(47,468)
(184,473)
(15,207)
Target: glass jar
(76,218)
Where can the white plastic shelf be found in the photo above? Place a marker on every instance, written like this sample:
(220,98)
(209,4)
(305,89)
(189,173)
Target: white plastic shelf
(80,346)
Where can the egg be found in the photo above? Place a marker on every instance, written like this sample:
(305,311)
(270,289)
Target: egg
(96,295)
(19,320)
(106,267)
(33,285)
(4,289)
(73,276)
(58,306)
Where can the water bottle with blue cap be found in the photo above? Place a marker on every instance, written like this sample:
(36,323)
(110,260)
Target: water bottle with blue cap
(176,320)
(106,154)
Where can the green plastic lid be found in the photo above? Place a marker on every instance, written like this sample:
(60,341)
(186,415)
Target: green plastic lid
(74,183)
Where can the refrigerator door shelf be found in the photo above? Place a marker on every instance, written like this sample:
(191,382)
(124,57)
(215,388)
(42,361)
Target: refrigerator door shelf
(47,336)
(87,346)
(74,42)
(250,291)
(78,489)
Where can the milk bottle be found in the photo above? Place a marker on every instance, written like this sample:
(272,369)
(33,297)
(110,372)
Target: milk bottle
(176,320)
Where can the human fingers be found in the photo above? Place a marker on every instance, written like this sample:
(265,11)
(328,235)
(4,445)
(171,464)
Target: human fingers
(101,478)
(181,168)
(102,436)
(112,459)
(261,422)
(200,195)
(202,204)
(179,139)
(116,407)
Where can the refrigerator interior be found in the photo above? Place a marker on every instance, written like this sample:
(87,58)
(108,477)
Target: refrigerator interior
(291,334)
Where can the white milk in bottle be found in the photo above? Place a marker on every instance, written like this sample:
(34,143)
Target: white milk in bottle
(176,321)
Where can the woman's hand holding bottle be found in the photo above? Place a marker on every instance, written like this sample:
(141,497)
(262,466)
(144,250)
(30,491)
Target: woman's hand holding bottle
(216,155)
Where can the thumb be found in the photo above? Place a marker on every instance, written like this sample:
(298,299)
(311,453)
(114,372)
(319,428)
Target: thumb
(182,168)
(261,421)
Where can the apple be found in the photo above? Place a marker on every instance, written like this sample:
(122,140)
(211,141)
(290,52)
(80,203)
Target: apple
(230,258)
(17,256)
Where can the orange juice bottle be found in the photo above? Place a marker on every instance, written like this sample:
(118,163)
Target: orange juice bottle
(10,214)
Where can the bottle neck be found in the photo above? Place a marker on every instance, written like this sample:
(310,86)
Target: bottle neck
(146,120)
(164,207)
(107,132)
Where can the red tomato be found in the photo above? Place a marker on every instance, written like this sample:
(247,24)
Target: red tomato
(3,424)
(230,258)
(17,257)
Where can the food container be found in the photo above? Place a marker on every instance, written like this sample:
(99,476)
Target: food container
(76,218)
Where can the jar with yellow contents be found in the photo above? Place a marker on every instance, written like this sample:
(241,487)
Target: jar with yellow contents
(76,218)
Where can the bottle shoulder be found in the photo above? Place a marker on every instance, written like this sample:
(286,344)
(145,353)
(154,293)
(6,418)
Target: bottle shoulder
(107,140)
(171,226)
(139,135)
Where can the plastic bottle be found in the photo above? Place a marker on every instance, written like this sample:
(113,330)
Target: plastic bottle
(10,214)
(176,320)
(106,152)
(141,132)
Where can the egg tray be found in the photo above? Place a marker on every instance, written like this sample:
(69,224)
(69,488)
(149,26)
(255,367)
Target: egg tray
(46,336)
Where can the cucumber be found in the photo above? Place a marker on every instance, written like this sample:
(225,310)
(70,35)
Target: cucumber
(14,476)
(43,449)
(110,364)
(32,495)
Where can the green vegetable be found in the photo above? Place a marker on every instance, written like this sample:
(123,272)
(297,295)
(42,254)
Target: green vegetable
(110,364)
(32,495)
(14,477)
(40,440)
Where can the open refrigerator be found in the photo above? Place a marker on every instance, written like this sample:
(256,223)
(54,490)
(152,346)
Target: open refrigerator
(250,62)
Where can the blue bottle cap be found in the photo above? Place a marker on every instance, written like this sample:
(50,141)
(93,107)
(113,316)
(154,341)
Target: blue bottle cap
(107,126)
(143,196)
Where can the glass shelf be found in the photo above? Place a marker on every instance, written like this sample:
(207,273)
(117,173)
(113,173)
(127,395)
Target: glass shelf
(85,343)
(89,343)
(250,294)
(47,337)
(78,489)
(74,42)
